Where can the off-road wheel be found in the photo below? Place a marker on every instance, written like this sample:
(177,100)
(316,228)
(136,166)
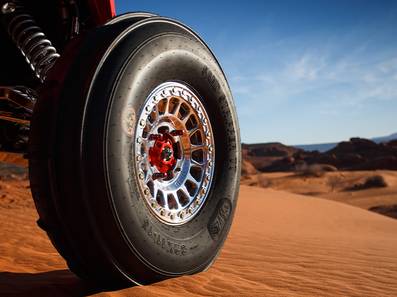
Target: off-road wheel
(135,153)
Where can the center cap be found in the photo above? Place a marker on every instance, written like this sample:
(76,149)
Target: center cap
(161,154)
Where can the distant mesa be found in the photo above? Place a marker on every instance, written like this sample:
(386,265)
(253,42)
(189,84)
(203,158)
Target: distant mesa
(355,154)
(273,156)
(323,147)
(385,138)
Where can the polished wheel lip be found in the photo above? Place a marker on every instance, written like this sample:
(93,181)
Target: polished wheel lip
(192,175)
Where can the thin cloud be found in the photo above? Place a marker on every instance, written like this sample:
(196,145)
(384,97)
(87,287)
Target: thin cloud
(335,79)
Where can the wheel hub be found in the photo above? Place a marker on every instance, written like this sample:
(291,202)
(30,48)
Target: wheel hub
(175,153)
(161,154)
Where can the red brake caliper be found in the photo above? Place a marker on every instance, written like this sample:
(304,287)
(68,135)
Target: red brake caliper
(162,154)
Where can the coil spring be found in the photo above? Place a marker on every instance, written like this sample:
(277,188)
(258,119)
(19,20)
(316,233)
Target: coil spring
(31,41)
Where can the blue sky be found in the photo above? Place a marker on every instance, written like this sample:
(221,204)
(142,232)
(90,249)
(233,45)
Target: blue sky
(300,71)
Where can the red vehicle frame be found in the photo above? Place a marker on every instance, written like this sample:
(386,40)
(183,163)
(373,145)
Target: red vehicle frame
(102,10)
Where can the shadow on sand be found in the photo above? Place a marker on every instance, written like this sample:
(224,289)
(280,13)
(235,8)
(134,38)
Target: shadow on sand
(51,283)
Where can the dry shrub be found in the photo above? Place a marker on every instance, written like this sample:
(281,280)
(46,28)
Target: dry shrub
(314,170)
(333,182)
(387,210)
(375,181)
(263,181)
(328,168)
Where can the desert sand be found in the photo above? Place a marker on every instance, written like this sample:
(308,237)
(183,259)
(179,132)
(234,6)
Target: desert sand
(342,186)
(281,244)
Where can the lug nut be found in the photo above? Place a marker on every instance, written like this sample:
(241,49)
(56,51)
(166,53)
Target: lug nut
(146,191)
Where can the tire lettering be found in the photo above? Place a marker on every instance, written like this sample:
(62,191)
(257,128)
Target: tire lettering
(220,218)
(170,247)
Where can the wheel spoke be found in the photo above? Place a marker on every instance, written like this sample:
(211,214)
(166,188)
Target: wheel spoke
(157,113)
(196,147)
(167,105)
(186,118)
(177,108)
(147,177)
(193,180)
(155,190)
(186,192)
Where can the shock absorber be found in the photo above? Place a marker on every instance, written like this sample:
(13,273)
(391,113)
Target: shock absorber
(29,38)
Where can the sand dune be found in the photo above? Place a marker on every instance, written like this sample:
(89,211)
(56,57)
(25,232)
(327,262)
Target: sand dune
(281,244)
(342,186)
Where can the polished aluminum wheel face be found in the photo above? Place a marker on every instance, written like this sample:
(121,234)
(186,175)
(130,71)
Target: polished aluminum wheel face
(175,153)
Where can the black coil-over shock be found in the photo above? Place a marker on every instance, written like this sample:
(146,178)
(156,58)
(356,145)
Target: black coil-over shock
(29,38)
(17,102)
